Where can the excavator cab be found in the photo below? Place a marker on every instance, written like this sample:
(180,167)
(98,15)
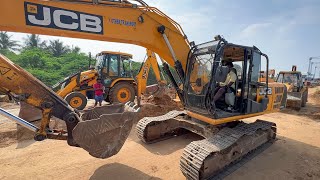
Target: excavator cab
(205,71)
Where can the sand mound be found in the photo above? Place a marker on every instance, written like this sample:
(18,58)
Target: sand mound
(157,106)
(316,95)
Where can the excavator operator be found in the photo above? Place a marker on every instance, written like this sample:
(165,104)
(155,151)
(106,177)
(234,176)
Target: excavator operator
(229,82)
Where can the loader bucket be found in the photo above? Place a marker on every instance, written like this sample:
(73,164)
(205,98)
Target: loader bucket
(294,101)
(157,90)
(104,130)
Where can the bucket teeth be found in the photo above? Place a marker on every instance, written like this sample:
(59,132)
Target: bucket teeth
(132,107)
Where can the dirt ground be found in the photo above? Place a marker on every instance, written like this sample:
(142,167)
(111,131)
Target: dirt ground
(295,154)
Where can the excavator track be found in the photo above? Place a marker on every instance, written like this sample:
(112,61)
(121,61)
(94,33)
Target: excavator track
(205,158)
(145,123)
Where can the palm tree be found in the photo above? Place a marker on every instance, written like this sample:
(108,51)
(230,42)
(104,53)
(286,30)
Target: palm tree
(57,48)
(6,43)
(34,41)
(75,49)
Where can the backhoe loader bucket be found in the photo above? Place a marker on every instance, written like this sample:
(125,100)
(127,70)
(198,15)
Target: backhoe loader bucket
(104,130)
(156,90)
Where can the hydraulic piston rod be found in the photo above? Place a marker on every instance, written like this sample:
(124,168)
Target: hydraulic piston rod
(18,120)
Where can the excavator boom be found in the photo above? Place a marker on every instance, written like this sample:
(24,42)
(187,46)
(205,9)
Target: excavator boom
(103,21)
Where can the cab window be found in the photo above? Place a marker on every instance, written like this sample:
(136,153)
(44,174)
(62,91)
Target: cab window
(113,65)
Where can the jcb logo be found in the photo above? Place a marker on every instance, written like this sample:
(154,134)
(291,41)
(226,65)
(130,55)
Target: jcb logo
(57,18)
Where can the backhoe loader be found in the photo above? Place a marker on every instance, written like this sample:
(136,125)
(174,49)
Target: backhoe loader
(297,91)
(120,86)
(199,68)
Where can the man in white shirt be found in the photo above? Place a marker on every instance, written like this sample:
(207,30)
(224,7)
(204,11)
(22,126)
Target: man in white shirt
(229,83)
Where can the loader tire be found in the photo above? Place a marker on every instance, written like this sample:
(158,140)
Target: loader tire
(122,92)
(77,100)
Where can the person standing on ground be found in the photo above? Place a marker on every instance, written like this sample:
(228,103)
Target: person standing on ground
(98,92)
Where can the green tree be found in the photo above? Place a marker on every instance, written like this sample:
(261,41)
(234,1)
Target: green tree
(73,63)
(57,48)
(32,58)
(6,42)
(34,41)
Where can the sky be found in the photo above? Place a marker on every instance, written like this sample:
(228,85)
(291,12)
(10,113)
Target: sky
(288,31)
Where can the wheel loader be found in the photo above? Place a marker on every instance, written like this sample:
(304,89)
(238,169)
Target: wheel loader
(115,70)
(297,91)
(199,68)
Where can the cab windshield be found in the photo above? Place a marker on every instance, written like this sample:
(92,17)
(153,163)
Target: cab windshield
(200,69)
(113,65)
(287,78)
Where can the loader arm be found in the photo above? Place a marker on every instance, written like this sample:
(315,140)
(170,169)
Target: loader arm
(142,76)
(74,83)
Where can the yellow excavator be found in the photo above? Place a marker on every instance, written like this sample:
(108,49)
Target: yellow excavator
(102,131)
(120,86)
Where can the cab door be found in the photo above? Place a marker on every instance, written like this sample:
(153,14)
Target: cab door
(113,65)
(256,100)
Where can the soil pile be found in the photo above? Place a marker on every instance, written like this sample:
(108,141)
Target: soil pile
(316,95)
(157,106)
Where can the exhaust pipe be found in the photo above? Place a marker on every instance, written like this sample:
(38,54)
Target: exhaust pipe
(18,120)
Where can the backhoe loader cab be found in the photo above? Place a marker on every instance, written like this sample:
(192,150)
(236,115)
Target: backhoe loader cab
(112,65)
(205,71)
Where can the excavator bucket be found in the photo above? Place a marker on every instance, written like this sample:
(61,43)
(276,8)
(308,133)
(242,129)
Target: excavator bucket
(29,113)
(104,130)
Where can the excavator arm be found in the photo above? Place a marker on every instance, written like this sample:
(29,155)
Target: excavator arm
(88,129)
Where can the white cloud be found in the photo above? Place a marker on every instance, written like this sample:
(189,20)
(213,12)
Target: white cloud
(254,29)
